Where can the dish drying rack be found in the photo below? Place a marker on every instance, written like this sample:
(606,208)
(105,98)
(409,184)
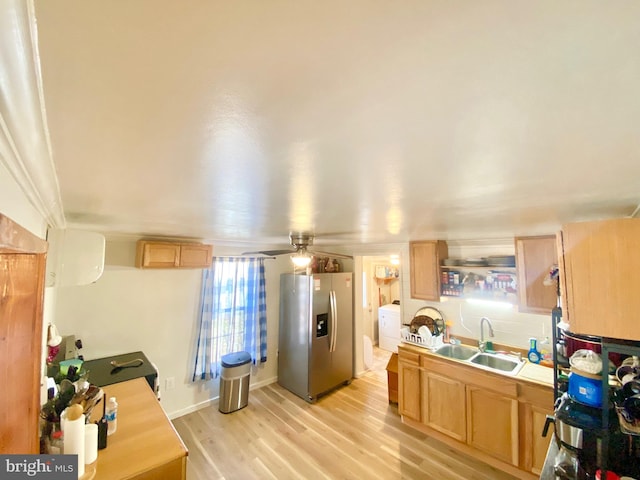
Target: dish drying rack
(432,342)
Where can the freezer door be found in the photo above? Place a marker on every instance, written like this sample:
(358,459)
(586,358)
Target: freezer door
(342,356)
(295,333)
(320,376)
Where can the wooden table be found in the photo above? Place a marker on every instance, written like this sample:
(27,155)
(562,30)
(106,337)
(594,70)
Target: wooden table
(145,445)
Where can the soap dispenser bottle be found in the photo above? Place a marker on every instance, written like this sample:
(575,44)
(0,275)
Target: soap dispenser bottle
(534,354)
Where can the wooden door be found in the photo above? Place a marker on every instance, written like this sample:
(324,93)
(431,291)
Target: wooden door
(535,403)
(195,255)
(535,256)
(443,406)
(157,254)
(425,258)
(22,267)
(601,263)
(408,390)
(492,424)
(533,418)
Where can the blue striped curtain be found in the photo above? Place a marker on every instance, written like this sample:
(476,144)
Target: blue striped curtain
(233,314)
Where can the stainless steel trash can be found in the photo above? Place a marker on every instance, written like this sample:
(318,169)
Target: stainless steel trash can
(234,381)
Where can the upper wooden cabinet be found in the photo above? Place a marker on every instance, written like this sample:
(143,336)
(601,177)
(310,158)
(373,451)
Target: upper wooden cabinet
(155,254)
(425,258)
(534,258)
(195,255)
(599,268)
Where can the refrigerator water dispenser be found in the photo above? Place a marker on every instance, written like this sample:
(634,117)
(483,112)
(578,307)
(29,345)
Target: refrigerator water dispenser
(322,325)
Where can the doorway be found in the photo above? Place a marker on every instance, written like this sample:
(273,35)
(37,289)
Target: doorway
(378,283)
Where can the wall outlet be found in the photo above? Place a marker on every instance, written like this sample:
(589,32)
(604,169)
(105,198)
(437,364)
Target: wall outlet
(169,383)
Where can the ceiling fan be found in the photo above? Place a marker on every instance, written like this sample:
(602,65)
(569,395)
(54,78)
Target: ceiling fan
(301,255)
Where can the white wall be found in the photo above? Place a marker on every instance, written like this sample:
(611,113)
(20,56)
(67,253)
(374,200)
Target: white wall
(14,204)
(156,311)
(510,327)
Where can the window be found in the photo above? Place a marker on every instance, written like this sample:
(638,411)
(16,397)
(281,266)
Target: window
(233,314)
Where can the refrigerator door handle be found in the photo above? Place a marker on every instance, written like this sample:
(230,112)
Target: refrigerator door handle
(334,320)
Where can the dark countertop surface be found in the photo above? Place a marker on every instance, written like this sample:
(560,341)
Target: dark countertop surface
(102,373)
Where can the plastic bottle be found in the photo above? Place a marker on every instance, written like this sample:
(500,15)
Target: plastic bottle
(447,331)
(112,416)
(534,354)
(545,354)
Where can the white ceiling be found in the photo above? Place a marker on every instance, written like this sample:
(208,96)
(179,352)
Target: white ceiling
(361,121)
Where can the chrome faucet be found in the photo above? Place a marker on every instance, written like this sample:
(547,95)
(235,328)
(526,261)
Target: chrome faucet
(482,344)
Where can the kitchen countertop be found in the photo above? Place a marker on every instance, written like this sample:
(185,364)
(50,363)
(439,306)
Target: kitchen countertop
(530,372)
(145,444)
(536,373)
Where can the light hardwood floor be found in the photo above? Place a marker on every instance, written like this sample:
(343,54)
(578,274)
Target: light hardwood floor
(351,433)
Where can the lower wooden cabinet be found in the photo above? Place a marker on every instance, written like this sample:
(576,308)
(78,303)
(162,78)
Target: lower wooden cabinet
(497,416)
(492,424)
(443,405)
(409,386)
(536,402)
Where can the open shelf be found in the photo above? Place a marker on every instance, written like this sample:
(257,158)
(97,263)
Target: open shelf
(479,282)
(618,346)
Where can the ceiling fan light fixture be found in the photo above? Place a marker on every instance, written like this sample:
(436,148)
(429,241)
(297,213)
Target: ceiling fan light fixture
(301,258)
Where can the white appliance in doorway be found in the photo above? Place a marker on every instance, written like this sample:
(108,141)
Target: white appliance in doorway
(389,327)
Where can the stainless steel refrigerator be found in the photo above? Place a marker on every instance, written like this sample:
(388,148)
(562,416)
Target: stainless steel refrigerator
(315,350)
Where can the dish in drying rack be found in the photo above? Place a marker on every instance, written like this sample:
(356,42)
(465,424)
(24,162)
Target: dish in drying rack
(423,320)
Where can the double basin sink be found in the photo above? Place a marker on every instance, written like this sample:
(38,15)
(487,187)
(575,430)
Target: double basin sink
(496,362)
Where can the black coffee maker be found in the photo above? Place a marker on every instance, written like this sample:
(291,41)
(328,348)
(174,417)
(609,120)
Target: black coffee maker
(579,434)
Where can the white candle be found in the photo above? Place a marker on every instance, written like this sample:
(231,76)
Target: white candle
(74,439)
(90,443)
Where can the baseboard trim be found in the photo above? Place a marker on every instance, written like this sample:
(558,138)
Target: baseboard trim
(214,400)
